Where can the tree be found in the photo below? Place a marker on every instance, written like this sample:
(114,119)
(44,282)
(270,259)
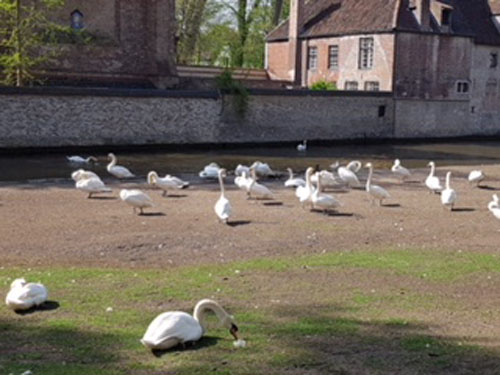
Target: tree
(22,26)
(189,18)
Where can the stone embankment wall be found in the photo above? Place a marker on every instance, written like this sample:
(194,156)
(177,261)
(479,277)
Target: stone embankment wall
(50,117)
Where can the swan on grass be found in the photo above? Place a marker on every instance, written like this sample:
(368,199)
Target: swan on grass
(322,201)
(399,170)
(294,181)
(432,182)
(137,199)
(302,146)
(24,295)
(494,206)
(75,159)
(210,171)
(222,206)
(304,193)
(117,170)
(172,328)
(476,176)
(256,190)
(262,169)
(377,192)
(448,195)
(166,183)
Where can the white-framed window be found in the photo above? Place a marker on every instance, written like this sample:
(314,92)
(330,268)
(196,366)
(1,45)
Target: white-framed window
(77,20)
(365,53)
(351,85)
(333,57)
(462,87)
(312,58)
(372,86)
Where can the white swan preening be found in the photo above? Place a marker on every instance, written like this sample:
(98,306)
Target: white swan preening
(354,166)
(137,199)
(399,170)
(222,206)
(256,190)
(476,176)
(432,182)
(24,295)
(243,182)
(347,175)
(448,195)
(89,182)
(322,201)
(82,173)
(262,169)
(494,206)
(304,193)
(210,171)
(377,192)
(302,146)
(294,181)
(172,328)
(166,183)
(240,168)
(327,179)
(117,170)
(75,159)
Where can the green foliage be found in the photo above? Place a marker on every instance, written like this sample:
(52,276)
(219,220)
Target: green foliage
(324,86)
(226,83)
(59,34)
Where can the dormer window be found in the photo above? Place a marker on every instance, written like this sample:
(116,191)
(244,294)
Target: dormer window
(445,17)
(76,20)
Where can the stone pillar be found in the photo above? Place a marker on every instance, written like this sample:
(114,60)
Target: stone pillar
(294,45)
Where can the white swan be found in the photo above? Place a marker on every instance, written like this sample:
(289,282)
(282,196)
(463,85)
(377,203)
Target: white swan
(262,169)
(172,328)
(294,182)
(240,169)
(377,192)
(323,201)
(75,159)
(494,206)
(92,186)
(81,173)
(347,175)
(256,190)
(210,171)
(117,170)
(137,199)
(399,170)
(23,295)
(448,195)
(243,182)
(302,146)
(476,176)
(327,179)
(354,166)
(304,193)
(432,182)
(222,207)
(166,183)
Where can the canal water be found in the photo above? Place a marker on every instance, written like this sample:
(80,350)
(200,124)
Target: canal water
(54,166)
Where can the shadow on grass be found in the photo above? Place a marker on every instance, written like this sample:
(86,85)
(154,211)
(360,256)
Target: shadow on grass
(46,306)
(320,340)
(204,342)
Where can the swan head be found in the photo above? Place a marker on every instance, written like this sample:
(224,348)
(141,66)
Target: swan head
(77,174)
(92,159)
(152,176)
(368,165)
(397,162)
(431,164)
(111,155)
(335,165)
(495,198)
(222,172)
(17,283)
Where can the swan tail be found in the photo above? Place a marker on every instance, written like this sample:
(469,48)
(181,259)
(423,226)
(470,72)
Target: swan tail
(185,185)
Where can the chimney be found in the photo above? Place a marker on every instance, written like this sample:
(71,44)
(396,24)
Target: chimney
(294,26)
(423,14)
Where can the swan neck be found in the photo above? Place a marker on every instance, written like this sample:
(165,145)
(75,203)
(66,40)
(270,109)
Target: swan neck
(112,163)
(308,178)
(205,306)
(152,176)
(221,182)
(448,175)
(369,180)
(432,169)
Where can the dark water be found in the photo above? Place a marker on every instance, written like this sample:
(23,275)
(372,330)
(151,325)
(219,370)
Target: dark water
(187,164)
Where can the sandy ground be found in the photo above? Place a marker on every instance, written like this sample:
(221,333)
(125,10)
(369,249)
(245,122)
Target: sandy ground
(54,224)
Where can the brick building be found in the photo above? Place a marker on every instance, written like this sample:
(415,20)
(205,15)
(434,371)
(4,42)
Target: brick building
(133,43)
(425,49)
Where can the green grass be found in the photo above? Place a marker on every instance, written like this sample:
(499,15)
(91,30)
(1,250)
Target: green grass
(307,333)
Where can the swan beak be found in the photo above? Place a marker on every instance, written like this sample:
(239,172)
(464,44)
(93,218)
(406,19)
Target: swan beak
(234,331)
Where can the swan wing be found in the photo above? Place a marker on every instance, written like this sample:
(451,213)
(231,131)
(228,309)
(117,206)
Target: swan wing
(120,172)
(172,325)
(136,198)
(448,196)
(433,183)
(260,190)
(476,175)
(223,208)
(92,185)
(379,191)
(24,297)
(348,176)
(295,182)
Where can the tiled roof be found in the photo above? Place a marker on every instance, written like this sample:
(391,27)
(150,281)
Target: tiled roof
(340,17)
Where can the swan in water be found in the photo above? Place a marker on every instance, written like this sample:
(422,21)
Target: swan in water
(432,182)
(172,328)
(256,190)
(23,295)
(327,179)
(377,192)
(240,169)
(302,146)
(75,159)
(494,206)
(448,195)
(117,170)
(243,182)
(346,175)
(166,183)
(222,207)
(82,173)
(294,182)
(476,176)
(304,193)
(321,200)
(399,170)
(262,169)
(137,199)
(210,171)
(354,166)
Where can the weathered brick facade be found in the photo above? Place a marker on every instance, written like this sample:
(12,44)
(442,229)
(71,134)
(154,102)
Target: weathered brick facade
(134,43)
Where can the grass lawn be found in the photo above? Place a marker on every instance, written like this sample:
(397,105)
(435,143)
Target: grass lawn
(409,311)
